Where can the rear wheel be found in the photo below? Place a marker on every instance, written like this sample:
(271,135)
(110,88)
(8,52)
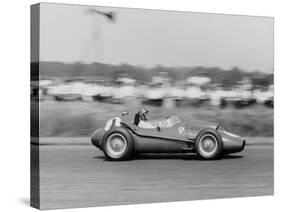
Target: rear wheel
(118,144)
(209,144)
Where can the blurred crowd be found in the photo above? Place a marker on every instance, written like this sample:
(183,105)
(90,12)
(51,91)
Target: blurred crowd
(160,91)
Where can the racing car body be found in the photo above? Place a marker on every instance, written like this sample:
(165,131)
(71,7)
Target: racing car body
(122,136)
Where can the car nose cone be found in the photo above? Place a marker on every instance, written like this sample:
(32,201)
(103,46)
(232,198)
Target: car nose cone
(96,137)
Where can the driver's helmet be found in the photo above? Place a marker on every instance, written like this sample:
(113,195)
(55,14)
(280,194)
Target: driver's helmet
(143,114)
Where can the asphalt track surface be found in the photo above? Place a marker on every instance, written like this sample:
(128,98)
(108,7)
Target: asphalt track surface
(79,176)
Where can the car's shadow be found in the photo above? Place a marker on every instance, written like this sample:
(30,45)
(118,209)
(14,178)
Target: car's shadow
(151,156)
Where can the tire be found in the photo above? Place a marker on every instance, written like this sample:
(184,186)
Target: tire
(209,144)
(117,144)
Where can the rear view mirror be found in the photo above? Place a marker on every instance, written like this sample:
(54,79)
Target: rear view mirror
(124,113)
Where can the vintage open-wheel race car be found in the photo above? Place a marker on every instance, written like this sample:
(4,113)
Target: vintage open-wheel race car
(128,134)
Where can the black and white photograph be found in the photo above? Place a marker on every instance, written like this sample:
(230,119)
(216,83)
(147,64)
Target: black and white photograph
(133,106)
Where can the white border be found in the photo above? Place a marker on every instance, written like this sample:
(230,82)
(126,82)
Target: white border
(14,117)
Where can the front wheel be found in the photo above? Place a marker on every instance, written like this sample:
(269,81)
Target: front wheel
(118,144)
(209,144)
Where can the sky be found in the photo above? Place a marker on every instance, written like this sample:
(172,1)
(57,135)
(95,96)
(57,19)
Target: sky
(68,33)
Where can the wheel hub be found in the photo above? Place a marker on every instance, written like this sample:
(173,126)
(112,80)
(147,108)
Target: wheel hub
(116,144)
(208,145)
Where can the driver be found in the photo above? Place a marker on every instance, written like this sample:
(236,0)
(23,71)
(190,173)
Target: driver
(143,123)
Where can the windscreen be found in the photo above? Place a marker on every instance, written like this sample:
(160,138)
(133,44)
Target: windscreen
(174,120)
